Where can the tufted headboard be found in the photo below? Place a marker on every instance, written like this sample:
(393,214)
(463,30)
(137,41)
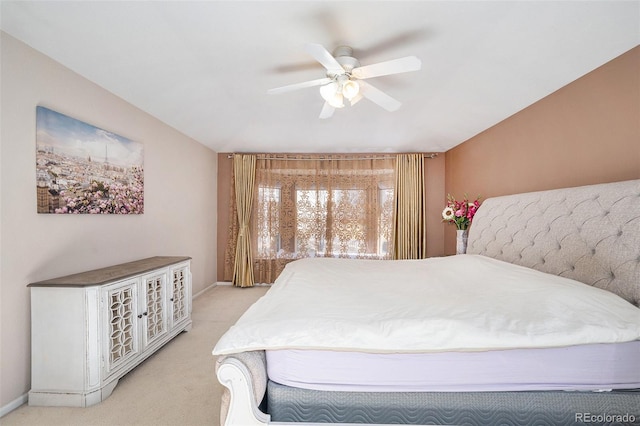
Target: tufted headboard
(589,233)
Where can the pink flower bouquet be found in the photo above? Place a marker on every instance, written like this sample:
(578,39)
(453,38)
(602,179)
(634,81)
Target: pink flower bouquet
(460,213)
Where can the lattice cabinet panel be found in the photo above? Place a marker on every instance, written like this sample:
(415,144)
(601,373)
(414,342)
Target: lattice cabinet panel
(181,297)
(90,329)
(123,333)
(155,313)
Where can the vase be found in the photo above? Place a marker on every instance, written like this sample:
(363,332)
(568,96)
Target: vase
(461,240)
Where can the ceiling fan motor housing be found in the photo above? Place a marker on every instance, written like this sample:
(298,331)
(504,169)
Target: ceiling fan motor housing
(342,54)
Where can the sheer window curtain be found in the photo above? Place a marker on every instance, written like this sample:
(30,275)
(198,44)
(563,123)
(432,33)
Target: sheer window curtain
(319,206)
(409,230)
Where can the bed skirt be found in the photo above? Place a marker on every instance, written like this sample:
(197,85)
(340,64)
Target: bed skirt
(288,404)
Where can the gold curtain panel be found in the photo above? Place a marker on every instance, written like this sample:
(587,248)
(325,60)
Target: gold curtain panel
(410,237)
(244,168)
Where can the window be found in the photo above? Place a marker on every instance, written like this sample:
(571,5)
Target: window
(321,209)
(336,223)
(268,216)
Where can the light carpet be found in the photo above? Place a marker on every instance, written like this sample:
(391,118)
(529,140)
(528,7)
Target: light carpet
(175,386)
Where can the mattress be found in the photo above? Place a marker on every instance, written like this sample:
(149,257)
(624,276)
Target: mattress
(594,367)
(552,408)
(454,303)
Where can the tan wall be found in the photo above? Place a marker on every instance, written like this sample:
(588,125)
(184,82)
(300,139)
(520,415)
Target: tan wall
(587,132)
(179,216)
(434,185)
(434,181)
(225,168)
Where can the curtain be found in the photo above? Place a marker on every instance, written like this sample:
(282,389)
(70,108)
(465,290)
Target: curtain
(320,206)
(244,167)
(409,230)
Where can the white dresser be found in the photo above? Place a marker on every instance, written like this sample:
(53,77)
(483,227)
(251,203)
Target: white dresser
(90,329)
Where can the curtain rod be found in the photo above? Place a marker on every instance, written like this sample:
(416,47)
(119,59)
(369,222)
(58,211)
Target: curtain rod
(429,155)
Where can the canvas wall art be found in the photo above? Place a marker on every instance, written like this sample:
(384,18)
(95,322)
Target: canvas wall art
(81,168)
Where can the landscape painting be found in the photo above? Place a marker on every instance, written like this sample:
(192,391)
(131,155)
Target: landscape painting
(82,169)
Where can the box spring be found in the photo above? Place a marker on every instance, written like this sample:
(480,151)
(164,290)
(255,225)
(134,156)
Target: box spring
(288,404)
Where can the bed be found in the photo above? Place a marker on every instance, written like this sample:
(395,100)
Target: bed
(539,323)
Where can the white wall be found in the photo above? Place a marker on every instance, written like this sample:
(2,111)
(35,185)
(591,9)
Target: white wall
(179,212)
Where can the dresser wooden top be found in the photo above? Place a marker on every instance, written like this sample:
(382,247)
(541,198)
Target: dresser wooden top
(112,273)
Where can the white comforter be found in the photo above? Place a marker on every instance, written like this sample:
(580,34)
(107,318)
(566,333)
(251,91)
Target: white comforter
(455,303)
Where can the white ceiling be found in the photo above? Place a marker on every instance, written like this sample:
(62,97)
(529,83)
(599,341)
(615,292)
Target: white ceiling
(204,67)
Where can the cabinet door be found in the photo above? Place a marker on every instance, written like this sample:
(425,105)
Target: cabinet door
(120,310)
(154,315)
(180,293)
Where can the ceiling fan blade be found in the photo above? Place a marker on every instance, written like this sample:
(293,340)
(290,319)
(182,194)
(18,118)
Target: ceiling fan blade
(296,86)
(323,56)
(327,111)
(356,99)
(377,96)
(395,66)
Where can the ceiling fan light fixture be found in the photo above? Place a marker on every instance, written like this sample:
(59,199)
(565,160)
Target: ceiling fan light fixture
(350,89)
(331,93)
(337,101)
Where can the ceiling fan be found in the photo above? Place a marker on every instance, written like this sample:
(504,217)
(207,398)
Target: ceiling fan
(345,78)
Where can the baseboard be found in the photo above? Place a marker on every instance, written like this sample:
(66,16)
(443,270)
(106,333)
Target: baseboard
(204,290)
(14,404)
(225,283)
(255,285)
